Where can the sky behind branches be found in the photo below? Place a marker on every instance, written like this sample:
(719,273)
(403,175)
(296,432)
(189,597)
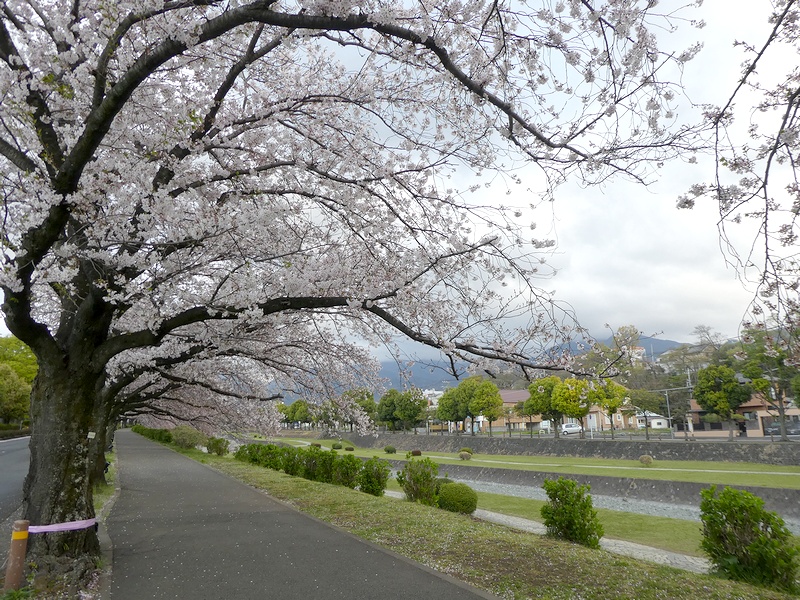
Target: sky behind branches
(626,254)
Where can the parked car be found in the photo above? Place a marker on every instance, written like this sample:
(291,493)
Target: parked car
(567,428)
(792,428)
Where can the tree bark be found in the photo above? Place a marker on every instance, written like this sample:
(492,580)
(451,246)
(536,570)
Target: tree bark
(58,487)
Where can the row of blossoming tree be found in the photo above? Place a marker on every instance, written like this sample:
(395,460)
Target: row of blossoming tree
(207,202)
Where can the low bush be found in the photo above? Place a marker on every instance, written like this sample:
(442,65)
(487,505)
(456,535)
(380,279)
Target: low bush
(346,470)
(646,460)
(418,480)
(458,497)
(465,449)
(746,542)
(440,481)
(218,446)
(187,437)
(569,513)
(374,476)
(336,445)
(318,464)
(263,455)
(349,449)
(291,461)
(416,453)
(390,449)
(464,455)
(163,436)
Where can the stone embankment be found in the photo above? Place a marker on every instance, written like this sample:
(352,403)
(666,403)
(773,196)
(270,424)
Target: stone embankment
(783,501)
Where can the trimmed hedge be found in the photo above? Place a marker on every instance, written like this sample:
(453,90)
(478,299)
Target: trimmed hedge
(316,464)
(458,497)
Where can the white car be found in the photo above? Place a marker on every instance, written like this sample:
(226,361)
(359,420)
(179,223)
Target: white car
(567,428)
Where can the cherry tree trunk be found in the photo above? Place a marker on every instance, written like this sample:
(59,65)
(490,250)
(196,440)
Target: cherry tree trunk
(58,486)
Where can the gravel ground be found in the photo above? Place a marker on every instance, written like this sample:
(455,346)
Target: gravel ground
(642,507)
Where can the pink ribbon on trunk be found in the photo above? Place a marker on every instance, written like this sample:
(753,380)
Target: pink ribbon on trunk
(71,526)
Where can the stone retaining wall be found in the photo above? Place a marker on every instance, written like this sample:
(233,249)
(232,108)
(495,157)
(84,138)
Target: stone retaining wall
(779,453)
(785,502)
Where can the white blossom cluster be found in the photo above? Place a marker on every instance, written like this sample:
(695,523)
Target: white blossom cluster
(184,184)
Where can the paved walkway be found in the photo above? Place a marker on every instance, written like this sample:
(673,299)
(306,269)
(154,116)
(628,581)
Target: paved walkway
(182,530)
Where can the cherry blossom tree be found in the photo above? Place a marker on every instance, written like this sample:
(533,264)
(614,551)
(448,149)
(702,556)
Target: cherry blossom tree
(190,181)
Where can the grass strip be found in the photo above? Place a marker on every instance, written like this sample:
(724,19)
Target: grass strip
(508,563)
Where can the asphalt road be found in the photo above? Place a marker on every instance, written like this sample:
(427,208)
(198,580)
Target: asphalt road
(14,460)
(182,530)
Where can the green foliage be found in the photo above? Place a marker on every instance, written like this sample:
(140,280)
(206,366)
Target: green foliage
(719,392)
(163,436)
(486,401)
(415,453)
(297,412)
(349,449)
(569,513)
(346,470)
(263,455)
(575,397)
(15,396)
(291,461)
(646,460)
(185,436)
(464,455)
(612,397)
(418,480)
(218,446)
(465,449)
(458,497)
(540,401)
(19,357)
(410,407)
(318,464)
(390,449)
(387,407)
(745,542)
(374,476)
(336,445)
(440,481)
(456,403)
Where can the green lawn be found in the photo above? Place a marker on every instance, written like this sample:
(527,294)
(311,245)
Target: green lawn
(510,564)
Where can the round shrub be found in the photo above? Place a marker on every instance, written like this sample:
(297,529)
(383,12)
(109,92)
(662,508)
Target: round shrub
(416,453)
(349,449)
(464,455)
(336,445)
(465,449)
(316,444)
(440,481)
(458,497)
(390,449)
(646,460)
